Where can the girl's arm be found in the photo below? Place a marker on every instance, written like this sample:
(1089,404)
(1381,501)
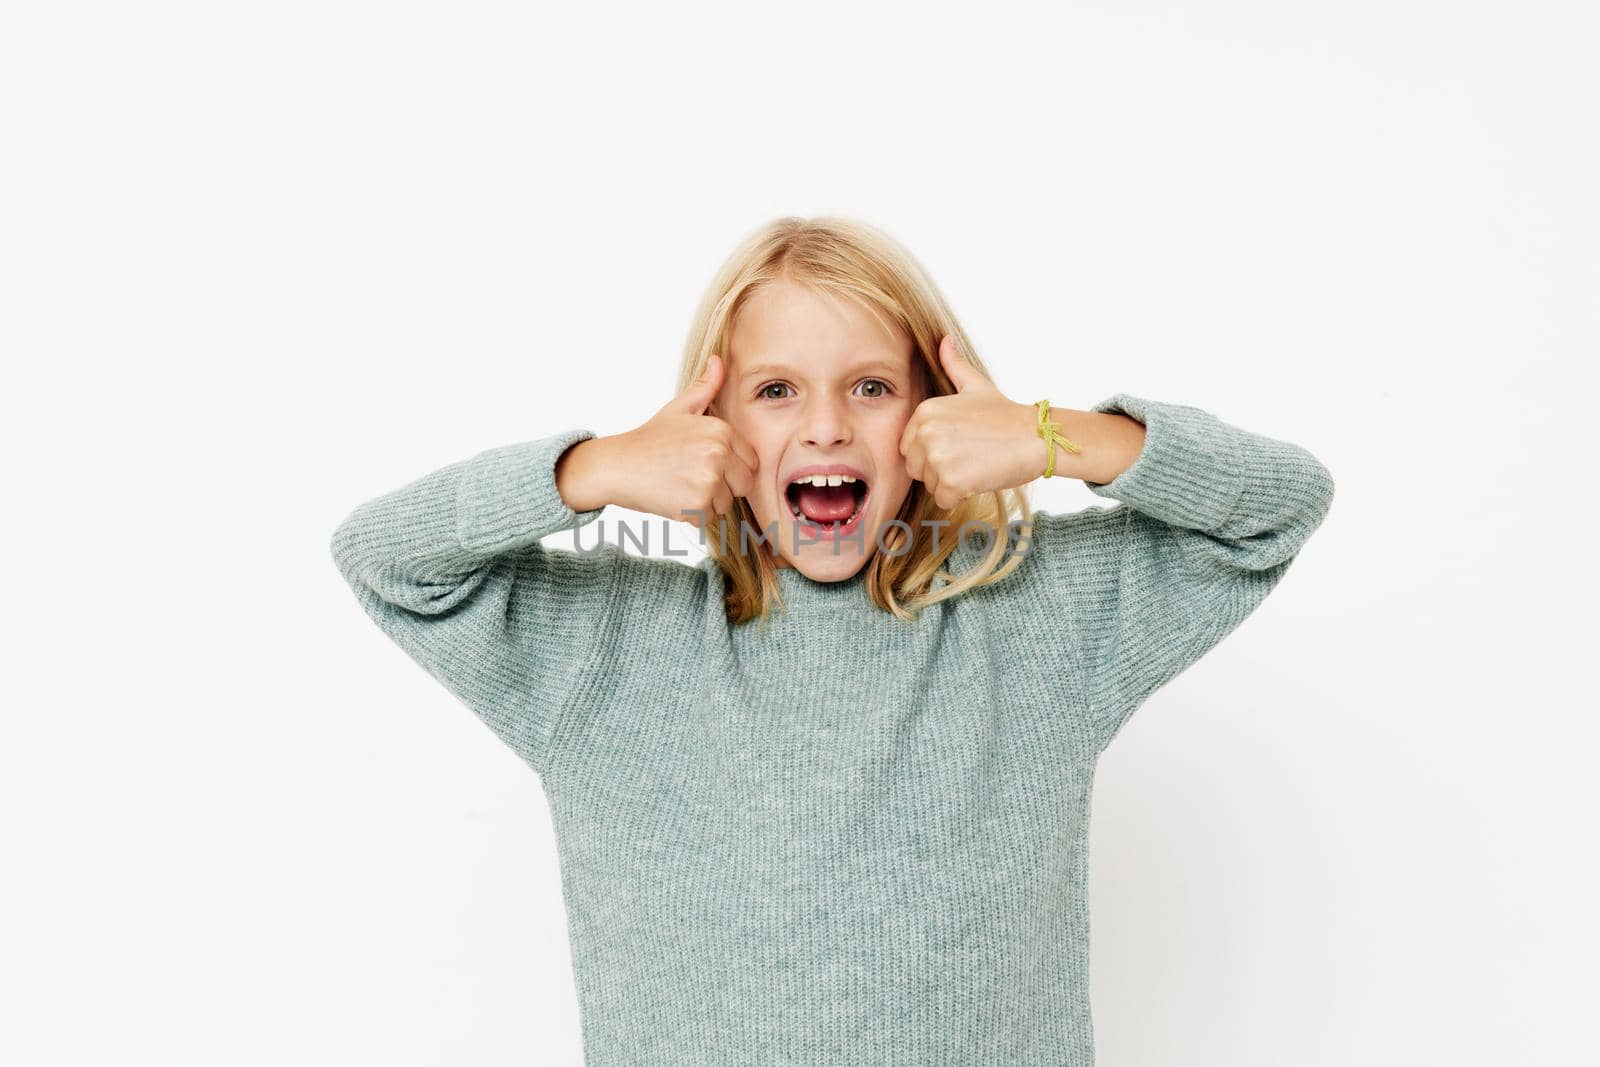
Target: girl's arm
(1209,519)
(451,568)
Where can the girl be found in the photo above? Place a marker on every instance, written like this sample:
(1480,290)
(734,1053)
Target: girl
(823,797)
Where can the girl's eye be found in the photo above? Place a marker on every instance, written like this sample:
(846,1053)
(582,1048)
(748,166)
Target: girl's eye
(882,389)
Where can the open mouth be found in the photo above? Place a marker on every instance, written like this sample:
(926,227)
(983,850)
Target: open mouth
(827,503)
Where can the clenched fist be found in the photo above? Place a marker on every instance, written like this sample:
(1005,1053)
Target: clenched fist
(683,464)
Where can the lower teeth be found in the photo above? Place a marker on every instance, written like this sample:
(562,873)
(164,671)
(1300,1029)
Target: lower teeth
(836,523)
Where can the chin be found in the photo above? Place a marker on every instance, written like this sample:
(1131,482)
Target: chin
(817,558)
(826,567)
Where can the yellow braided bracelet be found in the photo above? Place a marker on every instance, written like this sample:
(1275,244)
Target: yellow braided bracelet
(1050,432)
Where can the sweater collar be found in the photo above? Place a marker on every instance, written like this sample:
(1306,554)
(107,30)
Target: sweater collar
(847,596)
(801,593)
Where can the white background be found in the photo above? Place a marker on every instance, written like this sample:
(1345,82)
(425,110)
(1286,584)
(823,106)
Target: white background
(260,263)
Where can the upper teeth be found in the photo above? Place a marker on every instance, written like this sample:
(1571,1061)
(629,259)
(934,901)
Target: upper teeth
(825,479)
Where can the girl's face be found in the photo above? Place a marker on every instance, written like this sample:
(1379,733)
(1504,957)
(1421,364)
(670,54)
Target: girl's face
(816,387)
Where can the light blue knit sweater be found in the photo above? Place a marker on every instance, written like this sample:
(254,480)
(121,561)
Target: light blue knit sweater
(847,839)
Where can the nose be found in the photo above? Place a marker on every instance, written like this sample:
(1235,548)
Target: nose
(824,423)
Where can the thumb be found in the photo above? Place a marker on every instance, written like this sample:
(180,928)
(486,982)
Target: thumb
(699,395)
(963,374)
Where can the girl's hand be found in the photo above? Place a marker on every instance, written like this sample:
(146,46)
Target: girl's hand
(975,440)
(683,464)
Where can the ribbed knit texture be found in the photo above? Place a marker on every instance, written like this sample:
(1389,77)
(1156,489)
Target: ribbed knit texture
(846,839)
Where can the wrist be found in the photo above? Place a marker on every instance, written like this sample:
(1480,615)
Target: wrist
(583,474)
(1032,452)
(1048,427)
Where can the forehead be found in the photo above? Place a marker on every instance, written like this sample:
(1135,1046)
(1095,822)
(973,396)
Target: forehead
(786,324)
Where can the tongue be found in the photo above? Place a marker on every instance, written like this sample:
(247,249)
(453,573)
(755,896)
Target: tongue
(826,503)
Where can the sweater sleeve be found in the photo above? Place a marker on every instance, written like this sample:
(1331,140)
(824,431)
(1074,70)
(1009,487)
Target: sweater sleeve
(450,567)
(1209,519)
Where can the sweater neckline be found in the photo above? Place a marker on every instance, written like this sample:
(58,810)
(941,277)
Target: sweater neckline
(799,589)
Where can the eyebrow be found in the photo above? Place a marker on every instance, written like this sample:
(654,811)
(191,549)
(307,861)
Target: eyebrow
(770,367)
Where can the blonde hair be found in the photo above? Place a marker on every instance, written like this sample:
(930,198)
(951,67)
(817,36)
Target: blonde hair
(853,261)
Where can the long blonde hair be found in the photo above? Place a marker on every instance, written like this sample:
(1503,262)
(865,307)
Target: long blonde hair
(853,261)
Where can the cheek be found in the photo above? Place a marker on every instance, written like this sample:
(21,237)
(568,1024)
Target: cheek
(764,493)
(891,462)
